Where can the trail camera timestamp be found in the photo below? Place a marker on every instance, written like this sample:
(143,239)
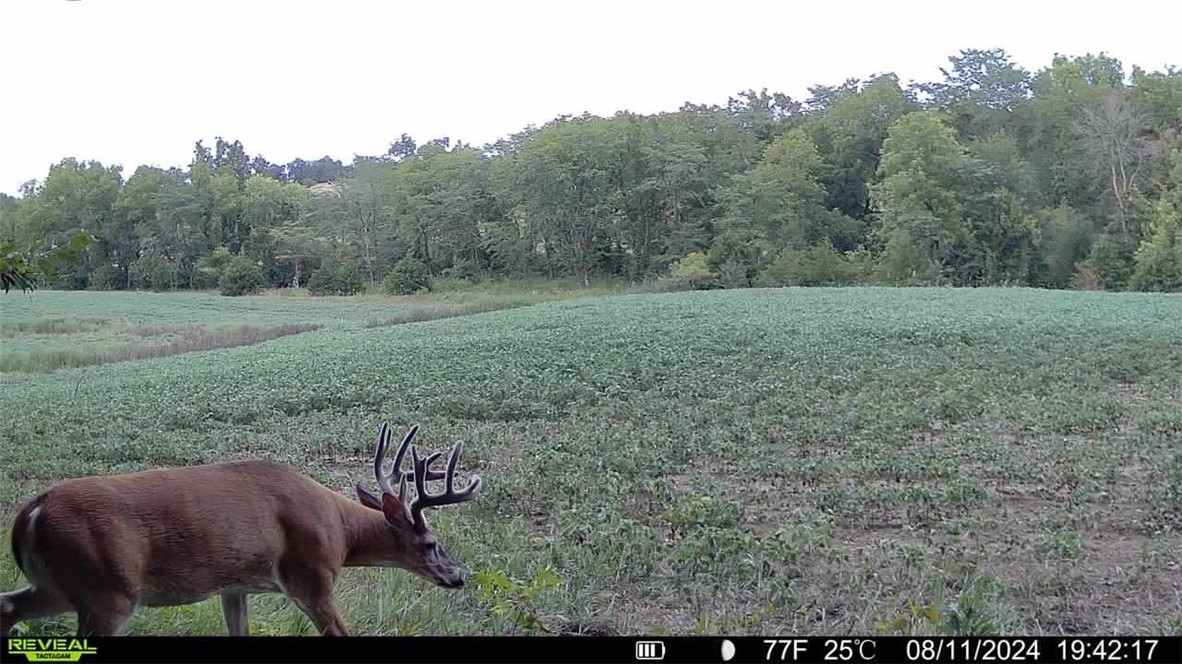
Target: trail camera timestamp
(1108,650)
(948,650)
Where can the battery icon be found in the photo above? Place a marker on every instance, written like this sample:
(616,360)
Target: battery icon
(650,650)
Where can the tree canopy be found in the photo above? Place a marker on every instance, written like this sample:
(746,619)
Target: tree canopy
(1064,177)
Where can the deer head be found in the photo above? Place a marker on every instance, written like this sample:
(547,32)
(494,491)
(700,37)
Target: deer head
(412,546)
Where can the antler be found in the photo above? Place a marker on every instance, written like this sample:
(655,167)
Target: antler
(386,480)
(421,474)
(449,496)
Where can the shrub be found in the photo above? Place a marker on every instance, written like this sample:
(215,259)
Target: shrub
(349,279)
(1159,266)
(336,279)
(817,266)
(1108,266)
(462,271)
(323,280)
(1158,261)
(408,276)
(903,263)
(736,257)
(1064,240)
(241,277)
(733,274)
(693,271)
(207,271)
(106,277)
(156,272)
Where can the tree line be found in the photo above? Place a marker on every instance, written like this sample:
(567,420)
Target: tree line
(1067,177)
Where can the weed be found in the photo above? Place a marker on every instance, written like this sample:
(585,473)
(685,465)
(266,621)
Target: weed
(516,599)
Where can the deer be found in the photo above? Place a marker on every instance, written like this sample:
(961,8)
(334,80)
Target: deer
(102,545)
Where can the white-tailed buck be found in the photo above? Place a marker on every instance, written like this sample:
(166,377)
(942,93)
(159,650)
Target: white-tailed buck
(100,546)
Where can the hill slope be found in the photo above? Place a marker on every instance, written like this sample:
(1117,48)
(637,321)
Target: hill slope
(805,460)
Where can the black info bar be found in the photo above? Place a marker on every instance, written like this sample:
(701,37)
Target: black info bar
(604,650)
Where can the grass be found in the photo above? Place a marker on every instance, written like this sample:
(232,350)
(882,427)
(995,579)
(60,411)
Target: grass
(177,340)
(55,330)
(812,461)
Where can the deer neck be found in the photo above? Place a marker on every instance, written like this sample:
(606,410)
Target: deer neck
(366,536)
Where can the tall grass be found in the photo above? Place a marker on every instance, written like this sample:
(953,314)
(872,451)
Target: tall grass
(189,339)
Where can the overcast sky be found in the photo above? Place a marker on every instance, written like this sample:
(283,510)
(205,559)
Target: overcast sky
(137,82)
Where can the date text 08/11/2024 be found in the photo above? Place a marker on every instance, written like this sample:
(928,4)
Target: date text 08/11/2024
(952,649)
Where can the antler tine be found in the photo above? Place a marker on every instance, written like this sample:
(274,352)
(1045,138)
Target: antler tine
(451,465)
(385,480)
(420,484)
(422,473)
(473,484)
(449,496)
(410,435)
(380,455)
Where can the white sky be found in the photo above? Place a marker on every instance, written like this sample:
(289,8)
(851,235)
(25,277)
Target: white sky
(138,82)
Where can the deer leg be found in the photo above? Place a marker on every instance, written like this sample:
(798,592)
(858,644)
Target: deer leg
(325,615)
(312,592)
(234,611)
(26,604)
(105,615)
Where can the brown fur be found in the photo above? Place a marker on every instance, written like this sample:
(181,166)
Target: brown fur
(102,545)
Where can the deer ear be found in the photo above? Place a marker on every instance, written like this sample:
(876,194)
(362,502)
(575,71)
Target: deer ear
(368,499)
(393,508)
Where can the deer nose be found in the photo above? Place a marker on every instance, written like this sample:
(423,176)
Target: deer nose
(457,582)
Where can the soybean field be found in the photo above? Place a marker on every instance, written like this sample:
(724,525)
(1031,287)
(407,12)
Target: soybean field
(807,461)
